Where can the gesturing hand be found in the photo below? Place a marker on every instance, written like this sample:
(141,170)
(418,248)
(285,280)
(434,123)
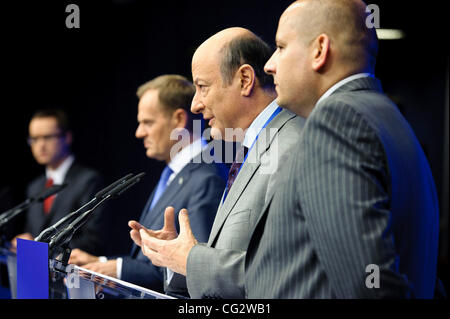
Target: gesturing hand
(167,232)
(164,248)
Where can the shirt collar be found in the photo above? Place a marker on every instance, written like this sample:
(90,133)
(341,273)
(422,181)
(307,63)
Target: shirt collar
(183,157)
(258,123)
(341,83)
(59,174)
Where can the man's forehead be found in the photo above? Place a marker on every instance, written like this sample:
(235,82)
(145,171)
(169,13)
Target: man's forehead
(47,122)
(203,69)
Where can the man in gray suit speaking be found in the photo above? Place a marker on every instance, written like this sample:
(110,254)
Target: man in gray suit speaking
(233,93)
(355,214)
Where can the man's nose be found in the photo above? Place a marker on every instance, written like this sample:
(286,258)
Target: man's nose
(140,132)
(269,68)
(197,106)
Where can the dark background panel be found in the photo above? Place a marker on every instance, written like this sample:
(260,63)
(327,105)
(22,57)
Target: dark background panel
(93,73)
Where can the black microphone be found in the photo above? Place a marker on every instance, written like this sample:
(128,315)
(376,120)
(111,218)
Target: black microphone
(121,188)
(49,192)
(7,216)
(47,233)
(101,194)
(65,235)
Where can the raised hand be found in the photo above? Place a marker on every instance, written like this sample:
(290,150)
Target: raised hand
(166,250)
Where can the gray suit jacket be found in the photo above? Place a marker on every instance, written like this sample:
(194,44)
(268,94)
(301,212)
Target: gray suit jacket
(216,270)
(356,192)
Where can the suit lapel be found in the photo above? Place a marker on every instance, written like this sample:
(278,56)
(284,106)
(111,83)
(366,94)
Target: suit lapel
(246,173)
(169,194)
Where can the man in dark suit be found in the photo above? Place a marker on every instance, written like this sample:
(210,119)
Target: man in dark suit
(50,139)
(355,213)
(186,182)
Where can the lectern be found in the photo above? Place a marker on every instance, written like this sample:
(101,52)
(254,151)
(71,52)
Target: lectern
(41,277)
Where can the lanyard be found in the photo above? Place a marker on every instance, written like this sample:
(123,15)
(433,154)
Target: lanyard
(275,113)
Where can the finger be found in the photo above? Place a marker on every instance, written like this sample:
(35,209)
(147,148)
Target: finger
(183,219)
(135,225)
(169,219)
(152,255)
(89,266)
(136,237)
(149,241)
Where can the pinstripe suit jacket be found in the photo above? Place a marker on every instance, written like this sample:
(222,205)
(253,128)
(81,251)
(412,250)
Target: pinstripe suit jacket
(357,191)
(216,269)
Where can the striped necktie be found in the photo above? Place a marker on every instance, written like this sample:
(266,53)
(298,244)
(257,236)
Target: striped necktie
(235,167)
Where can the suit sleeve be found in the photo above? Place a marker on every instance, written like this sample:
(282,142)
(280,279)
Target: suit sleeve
(203,203)
(143,273)
(215,273)
(345,200)
(204,262)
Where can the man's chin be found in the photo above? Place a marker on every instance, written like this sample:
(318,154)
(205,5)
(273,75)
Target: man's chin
(280,101)
(43,161)
(216,134)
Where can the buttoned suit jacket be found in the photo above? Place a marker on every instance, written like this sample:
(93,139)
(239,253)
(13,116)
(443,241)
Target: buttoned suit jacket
(355,211)
(216,269)
(82,184)
(198,188)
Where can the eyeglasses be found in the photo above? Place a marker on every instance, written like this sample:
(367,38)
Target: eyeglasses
(47,138)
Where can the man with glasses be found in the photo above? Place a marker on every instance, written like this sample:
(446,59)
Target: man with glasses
(50,139)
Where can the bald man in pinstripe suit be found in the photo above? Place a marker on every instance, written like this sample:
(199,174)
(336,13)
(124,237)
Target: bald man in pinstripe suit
(355,213)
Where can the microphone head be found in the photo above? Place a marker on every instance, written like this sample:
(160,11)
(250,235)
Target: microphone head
(118,190)
(49,192)
(101,194)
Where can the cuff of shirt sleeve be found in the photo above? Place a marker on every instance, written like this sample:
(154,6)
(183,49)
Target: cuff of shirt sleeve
(102,259)
(119,268)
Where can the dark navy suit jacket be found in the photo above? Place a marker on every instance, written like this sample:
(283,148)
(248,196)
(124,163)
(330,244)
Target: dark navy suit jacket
(83,183)
(198,187)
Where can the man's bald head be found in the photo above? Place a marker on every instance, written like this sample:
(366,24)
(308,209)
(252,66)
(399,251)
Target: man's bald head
(343,21)
(233,47)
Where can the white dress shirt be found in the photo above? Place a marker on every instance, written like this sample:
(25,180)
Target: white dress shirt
(258,123)
(59,174)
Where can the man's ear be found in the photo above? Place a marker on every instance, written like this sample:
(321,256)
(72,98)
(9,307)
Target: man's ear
(320,52)
(179,118)
(246,79)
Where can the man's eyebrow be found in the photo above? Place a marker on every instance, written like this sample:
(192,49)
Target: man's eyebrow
(197,80)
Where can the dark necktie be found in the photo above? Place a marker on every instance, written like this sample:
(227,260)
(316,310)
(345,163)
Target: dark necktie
(162,184)
(234,170)
(48,202)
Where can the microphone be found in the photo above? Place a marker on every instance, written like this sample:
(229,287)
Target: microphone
(47,233)
(65,235)
(7,216)
(49,192)
(101,194)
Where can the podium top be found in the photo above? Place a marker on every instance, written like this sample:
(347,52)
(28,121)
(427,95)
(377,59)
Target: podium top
(121,286)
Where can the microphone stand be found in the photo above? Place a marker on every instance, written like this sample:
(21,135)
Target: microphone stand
(61,252)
